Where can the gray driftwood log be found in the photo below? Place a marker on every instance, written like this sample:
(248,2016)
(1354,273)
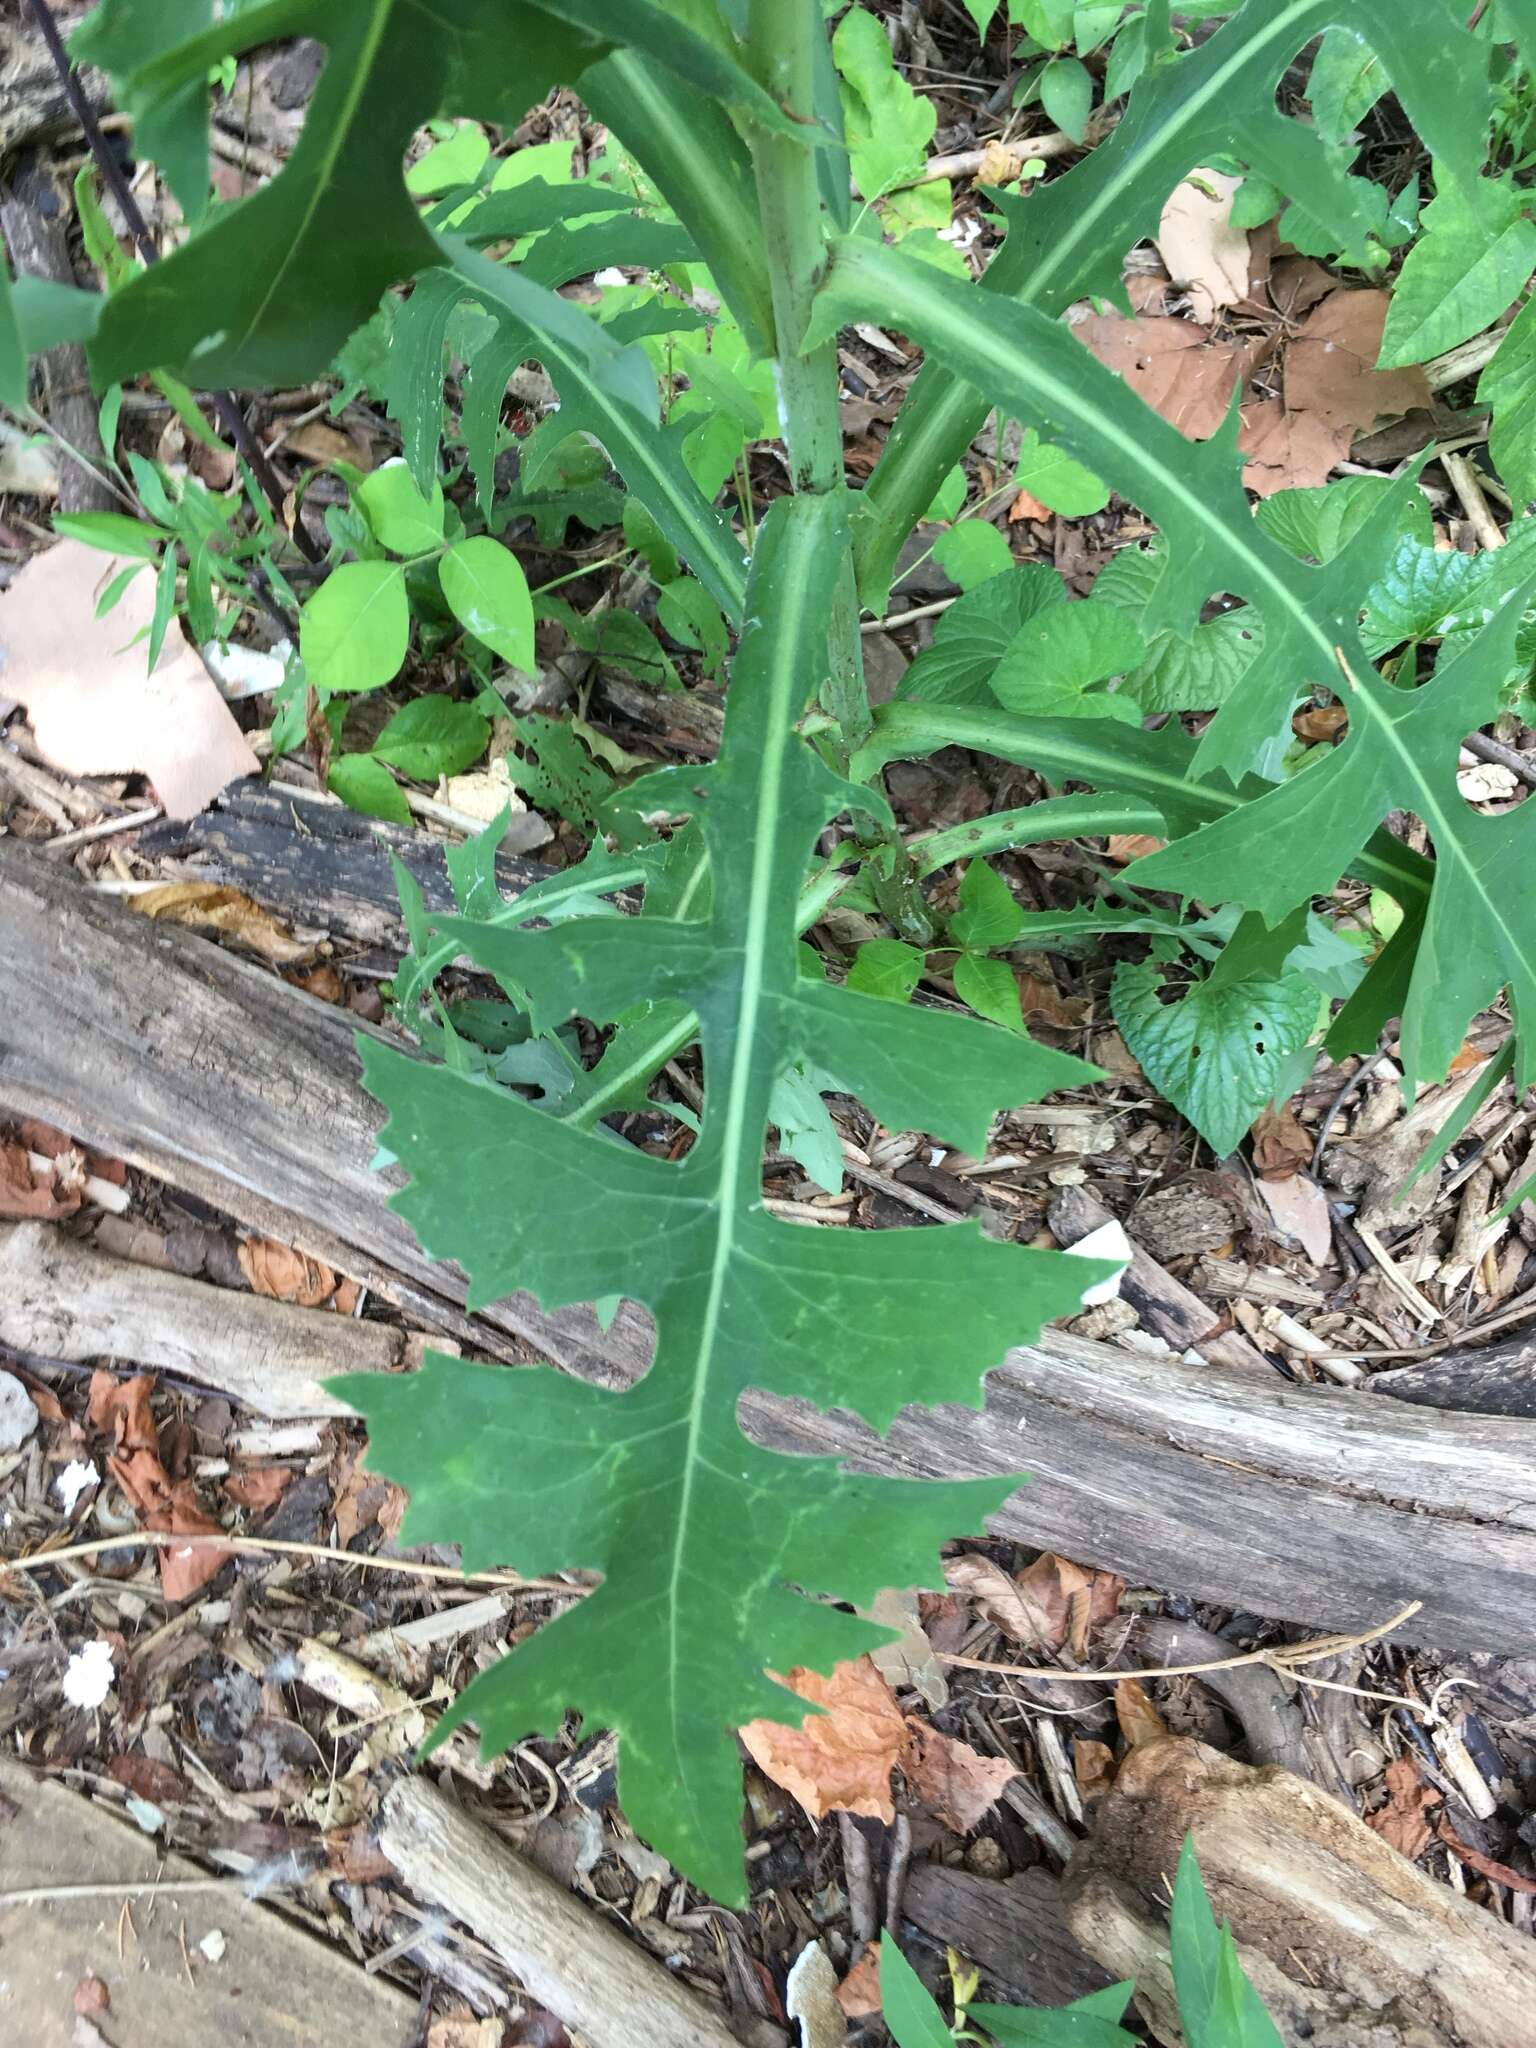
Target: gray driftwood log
(1311,1503)
(67,1300)
(562,1953)
(1349,1944)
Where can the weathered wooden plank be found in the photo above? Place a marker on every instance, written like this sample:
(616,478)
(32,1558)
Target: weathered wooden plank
(1307,1503)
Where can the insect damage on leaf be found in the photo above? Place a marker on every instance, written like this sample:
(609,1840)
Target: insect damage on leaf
(709,1545)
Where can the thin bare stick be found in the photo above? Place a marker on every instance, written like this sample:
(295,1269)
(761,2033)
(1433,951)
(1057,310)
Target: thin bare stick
(40,1560)
(1286,1658)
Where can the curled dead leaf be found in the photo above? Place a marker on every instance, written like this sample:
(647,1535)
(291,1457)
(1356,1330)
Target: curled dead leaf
(859,1992)
(1403,1820)
(1140,1722)
(1054,1603)
(211,907)
(1126,846)
(1174,365)
(957,1784)
(1281,1147)
(282,1274)
(1198,243)
(258,1488)
(121,1410)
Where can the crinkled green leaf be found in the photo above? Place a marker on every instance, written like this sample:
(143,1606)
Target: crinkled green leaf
(888,125)
(1476,253)
(806,1131)
(988,987)
(975,633)
(707,1545)
(1218,1050)
(1195,671)
(1062,651)
(889,969)
(1320,522)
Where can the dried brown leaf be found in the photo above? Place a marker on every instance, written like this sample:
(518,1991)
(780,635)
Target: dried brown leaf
(121,1409)
(282,1274)
(93,708)
(24,1192)
(1054,1603)
(1093,1766)
(1174,365)
(1288,450)
(1280,1145)
(258,1488)
(1299,1208)
(1128,846)
(1140,1722)
(859,1992)
(1501,1873)
(957,1784)
(838,1761)
(1330,366)
(1402,1821)
(211,907)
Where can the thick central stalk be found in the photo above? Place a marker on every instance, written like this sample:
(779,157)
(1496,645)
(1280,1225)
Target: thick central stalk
(781,42)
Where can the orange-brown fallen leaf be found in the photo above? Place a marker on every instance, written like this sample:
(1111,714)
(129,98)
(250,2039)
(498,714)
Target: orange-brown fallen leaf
(1054,1603)
(1403,1820)
(121,1409)
(93,707)
(859,1992)
(1486,1865)
(28,1192)
(282,1274)
(840,1760)
(1320,723)
(1126,846)
(957,1784)
(1140,1722)
(211,907)
(1094,1767)
(259,1487)
(1281,1147)
(1289,450)
(1026,506)
(1174,365)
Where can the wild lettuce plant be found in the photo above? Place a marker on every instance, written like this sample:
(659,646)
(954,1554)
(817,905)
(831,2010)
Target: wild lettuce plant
(722,1564)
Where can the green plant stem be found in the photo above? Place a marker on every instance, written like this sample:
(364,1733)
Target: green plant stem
(781,47)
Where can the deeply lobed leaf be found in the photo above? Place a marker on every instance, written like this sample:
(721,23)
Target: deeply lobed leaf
(707,1544)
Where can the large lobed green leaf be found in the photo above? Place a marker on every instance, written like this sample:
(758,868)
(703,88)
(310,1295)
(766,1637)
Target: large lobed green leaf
(268,292)
(708,1545)
(1067,239)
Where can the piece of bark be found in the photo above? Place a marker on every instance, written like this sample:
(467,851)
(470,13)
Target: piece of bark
(152,1045)
(317,865)
(63,1299)
(1011,1930)
(1348,1943)
(33,216)
(1499,1380)
(1166,1306)
(565,1955)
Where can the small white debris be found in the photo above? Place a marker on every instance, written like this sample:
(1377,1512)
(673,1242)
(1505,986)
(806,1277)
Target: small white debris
(76,1478)
(213,1945)
(810,1996)
(246,671)
(88,1675)
(936,1155)
(612,275)
(1109,1241)
(18,1417)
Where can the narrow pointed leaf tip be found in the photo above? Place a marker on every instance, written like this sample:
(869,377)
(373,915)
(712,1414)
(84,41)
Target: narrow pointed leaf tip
(713,1550)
